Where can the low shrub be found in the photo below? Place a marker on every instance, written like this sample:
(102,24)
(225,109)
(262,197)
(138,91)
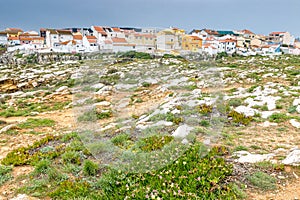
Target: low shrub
(90,168)
(262,180)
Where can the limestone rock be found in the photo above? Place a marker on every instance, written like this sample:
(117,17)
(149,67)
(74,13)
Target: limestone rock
(182,131)
(246,157)
(295,123)
(293,158)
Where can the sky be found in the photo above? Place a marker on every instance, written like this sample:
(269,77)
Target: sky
(259,16)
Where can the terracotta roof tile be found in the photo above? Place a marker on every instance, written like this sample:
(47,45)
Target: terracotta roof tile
(77,37)
(13,38)
(89,37)
(118,40)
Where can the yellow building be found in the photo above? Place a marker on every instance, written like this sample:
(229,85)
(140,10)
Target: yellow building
(13,32)
(191,43)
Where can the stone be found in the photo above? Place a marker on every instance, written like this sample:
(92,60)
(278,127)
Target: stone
(295,123)
(98,86)
(268,124)
(246,157)
(62,88)
(267,114)
(293,158)
(298,109)
(182,131)
(296,102)
(6,128)
(102,104)
(246,111)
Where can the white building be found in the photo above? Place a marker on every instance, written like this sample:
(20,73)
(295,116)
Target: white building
(3,38)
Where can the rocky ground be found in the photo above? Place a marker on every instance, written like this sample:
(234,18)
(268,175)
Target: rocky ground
(251,106)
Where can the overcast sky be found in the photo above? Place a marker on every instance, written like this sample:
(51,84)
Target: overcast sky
(260,16)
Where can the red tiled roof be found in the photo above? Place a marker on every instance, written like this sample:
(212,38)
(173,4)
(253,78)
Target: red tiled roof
(91,37)
(14,29)
(118,40)
(275,33)
(77,37)
(195,37)
(246,31)
(67,42)
(210,39)
(28,35)
(13,38)
(211,32)
(116,29)
(98,28)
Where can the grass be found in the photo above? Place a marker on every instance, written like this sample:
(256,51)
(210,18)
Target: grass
(262,181)
(71,174)
(93,115)
(278,117)
(33,123)
(5,174)
(29,109)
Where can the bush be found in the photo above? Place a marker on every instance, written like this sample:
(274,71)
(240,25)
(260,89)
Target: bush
(221,55)
(71,157)
(239,118)
(120,139)
(278,117)
(134,54)
(235,102)
(90,168)
(262,180)
(192,176)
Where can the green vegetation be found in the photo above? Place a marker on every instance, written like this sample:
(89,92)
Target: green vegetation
(93,115)
(262,181)
(5,174)
(33,123)
(170,117)
(278,117)
(33,153)
(137,55)
(90,168)
(235,102)
(27,108)
(239,118)
(154,142)
(189,177)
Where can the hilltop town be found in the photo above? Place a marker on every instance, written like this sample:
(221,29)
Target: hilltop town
(149,40)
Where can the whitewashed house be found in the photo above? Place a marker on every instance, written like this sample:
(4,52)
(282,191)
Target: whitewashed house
(52,38)
(3,38)
(90,43)
(99,33)
(121,45)
(227,45)
(65,35)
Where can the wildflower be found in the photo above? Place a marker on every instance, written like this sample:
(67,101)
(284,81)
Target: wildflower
(184,163)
